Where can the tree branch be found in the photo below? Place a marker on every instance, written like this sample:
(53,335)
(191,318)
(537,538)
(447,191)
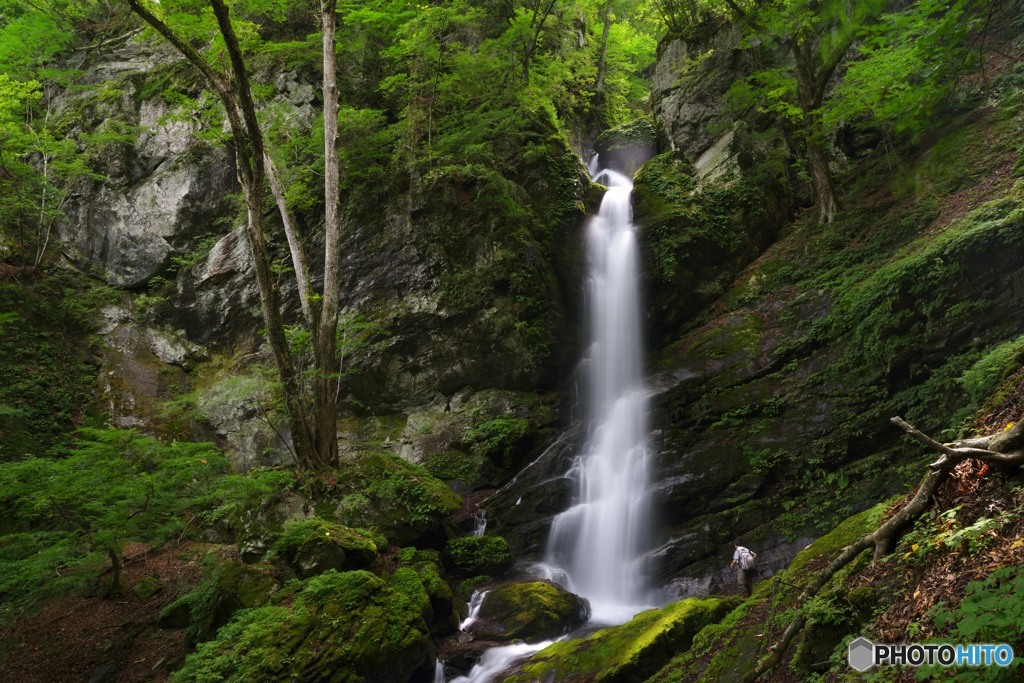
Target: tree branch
(884,537)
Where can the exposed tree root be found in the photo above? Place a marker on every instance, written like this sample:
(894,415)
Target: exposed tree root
(1005,449)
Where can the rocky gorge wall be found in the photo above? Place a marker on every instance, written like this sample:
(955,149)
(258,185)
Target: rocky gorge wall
(778,348)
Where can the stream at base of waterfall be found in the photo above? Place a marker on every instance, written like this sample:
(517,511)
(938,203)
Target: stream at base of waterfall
(597,548)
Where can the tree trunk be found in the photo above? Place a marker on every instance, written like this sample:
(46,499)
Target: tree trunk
(115,570)
(821,180)
(326,346)
(313,423)
(602,62)
(811,82)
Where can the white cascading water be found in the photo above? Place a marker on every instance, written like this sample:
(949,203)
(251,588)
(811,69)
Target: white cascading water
(596,547)
(599,543)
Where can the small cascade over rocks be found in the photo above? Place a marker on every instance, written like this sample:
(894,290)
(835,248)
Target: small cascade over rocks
(498,659)
(596,548)
(476,601)
(479,523)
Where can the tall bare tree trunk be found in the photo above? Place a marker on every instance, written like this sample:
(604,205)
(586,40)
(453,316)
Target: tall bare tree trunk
(255,193)
(326,348)
(602,62)
(235,94)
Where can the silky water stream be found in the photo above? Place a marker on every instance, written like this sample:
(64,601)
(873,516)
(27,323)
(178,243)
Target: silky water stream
(597,547)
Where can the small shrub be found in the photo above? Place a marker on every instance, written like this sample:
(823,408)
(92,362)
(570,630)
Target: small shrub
(480,555)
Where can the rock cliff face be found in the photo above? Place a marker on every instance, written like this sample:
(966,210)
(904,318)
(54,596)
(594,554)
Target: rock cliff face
(162,186)
(459,279)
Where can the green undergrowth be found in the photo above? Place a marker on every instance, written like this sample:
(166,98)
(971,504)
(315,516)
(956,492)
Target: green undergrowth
(476,555)
(226,588)
(66,517)
(314,545)
(383,491)
(684,219)
(353,625)
(630,652)
(47,385)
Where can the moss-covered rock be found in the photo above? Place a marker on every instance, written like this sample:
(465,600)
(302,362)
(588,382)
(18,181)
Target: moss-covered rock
(472,555)
(628,653)
(727,650)
(342,628)
(147,587)
(476,439)
(626,147)
(529,611)
(312,546)
(426,565)
(228,588)
(698,236)
(385,492)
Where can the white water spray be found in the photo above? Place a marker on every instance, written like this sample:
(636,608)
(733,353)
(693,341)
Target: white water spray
(599,542)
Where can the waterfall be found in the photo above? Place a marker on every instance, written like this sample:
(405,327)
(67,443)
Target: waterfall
(439,671)
(479,523)
(599,542)
(476,601)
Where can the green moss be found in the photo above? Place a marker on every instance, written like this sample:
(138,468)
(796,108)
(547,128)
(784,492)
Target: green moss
(228,587)
(46,385)
(496,438)
(147,587)
(843,535)
(342,628)
(531,611)
(316,545)
(480,555)
(637,132)
(728,650)
(630,652)
(399,498)
(688,223)
(426,565)
(722,651)
(466,587)
(454,465)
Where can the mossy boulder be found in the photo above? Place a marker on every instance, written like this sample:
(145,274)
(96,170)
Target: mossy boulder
(443,616)
(629,653)
(626,147)
(529,611)
(228,588)
(147,587)
(312,546)
(342,627)
(474,555)
(728,650)
(383,491)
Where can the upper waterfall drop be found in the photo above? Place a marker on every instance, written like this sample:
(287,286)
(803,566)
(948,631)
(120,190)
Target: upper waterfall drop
(600,542)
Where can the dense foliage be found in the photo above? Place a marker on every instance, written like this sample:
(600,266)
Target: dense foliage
(115,486)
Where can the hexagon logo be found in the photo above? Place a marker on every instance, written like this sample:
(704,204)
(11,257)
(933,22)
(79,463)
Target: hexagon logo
(862,654)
